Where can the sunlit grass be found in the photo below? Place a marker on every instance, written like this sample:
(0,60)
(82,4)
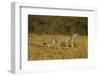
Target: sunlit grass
(38,51)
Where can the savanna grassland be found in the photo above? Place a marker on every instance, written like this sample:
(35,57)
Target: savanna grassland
(46,32)
(38,51)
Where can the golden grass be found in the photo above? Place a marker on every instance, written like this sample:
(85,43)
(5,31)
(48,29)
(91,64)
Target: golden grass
(38,51)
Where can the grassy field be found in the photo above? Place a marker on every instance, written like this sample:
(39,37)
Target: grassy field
(38,51)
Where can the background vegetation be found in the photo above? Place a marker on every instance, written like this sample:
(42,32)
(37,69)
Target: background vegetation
(39,24)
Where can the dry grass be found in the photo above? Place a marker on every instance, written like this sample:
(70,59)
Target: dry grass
(38,51)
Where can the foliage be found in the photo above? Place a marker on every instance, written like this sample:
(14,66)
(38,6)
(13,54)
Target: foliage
(39,24)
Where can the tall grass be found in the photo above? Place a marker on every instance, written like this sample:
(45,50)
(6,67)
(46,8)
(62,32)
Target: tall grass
(38,51)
